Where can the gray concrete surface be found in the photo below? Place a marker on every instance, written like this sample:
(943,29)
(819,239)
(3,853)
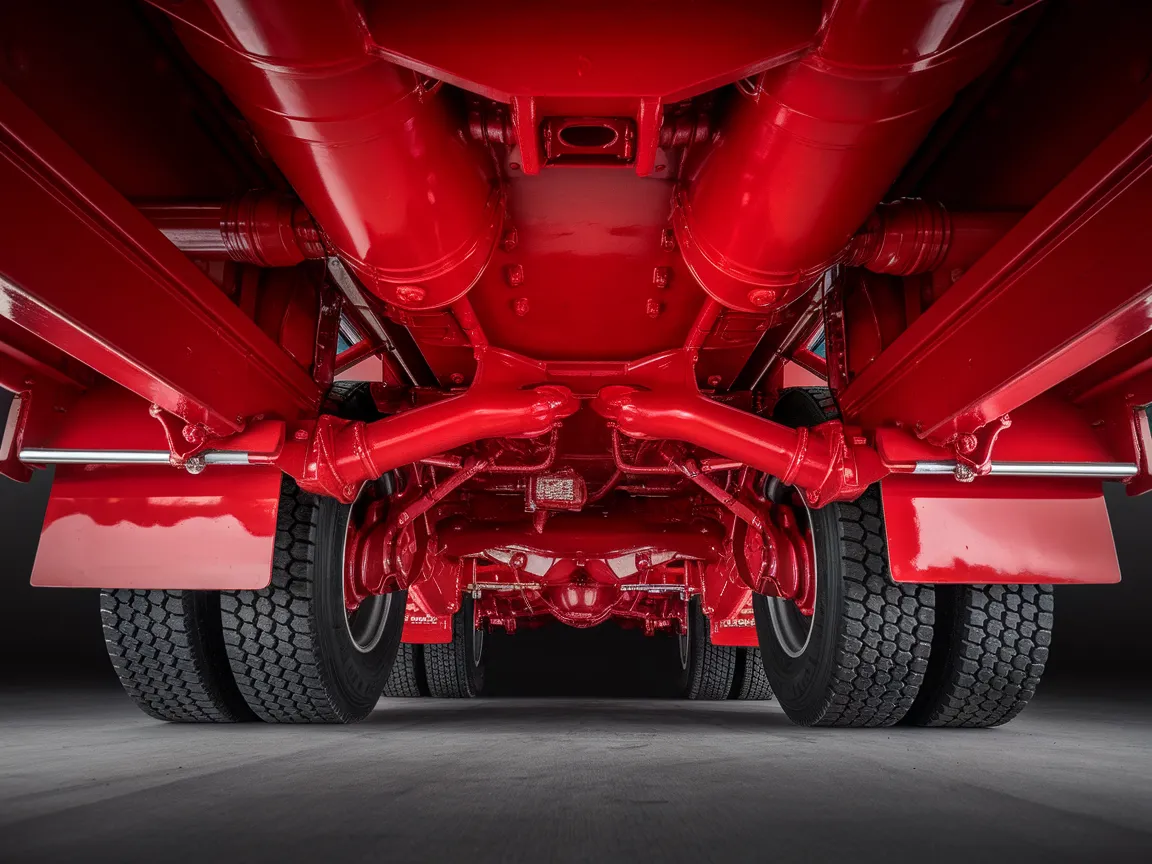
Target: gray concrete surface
(84,777)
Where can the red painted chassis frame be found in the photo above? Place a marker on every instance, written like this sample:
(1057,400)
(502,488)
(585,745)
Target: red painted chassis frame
(1018,335)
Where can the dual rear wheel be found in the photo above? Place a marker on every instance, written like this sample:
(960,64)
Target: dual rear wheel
(288,653)
(875,652)
(710,672)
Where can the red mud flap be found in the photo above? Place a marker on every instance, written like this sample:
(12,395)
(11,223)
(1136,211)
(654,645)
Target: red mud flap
(998,530)
(421,627)
(159,527)
(739,629)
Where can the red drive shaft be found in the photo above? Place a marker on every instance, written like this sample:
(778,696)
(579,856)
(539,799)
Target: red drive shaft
(407,200)
(809,150)
(506,399)
(821,460)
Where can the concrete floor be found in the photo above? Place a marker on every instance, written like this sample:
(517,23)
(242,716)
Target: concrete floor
(83,776)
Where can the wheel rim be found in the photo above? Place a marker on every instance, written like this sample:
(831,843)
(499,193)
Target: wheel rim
(366,623)
(792,627)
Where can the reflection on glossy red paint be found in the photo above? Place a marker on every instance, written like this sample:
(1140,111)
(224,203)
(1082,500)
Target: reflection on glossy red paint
(998,530)
(159,527)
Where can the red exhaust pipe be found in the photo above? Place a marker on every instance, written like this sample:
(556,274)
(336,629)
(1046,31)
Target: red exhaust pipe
(405,197)
(811,148)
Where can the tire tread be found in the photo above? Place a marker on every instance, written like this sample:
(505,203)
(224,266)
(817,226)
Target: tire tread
(988,656)
(167,651)
(270,634)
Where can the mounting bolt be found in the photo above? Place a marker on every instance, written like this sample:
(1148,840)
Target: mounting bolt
(518,561)
(410,293)
(520,306)
(456,378)
(514,275)
(194,464)
(350,490)
(511,238)
(194,434)
(301,435)
(966,443)
(714,380)
(661,277)
(654,307)
(956,274)
(667,240)
(762,297)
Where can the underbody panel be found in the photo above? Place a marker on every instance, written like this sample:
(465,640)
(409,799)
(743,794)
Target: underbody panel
(576,256)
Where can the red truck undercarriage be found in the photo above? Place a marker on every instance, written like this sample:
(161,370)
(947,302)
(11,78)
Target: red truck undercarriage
(584,257)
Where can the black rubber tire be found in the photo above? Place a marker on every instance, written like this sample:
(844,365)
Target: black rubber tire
(452,669)
(168,650)
(711,668)
(865,658)
(406,681)
(352,400)
(750,682)
(988,655)
(289,644)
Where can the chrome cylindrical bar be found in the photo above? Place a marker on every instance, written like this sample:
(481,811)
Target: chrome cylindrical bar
(50,456)
(1099,470)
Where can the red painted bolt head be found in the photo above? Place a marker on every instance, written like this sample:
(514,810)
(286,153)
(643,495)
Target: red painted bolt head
(410,293)
(511,238)
(301,435)
(966,442)
(667,240)
(519,561)
(514,275)
(193,433)
(661,276)
(654,307)
(520,306)
(762,297)
(714,380)
(456,377)
(350,490)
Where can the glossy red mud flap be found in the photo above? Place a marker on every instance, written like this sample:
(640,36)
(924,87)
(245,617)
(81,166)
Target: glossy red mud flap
(998,530)
(738,629)
(153,526)
(422,626)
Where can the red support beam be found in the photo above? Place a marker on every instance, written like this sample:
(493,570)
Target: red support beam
(85,271)
(1069,284)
